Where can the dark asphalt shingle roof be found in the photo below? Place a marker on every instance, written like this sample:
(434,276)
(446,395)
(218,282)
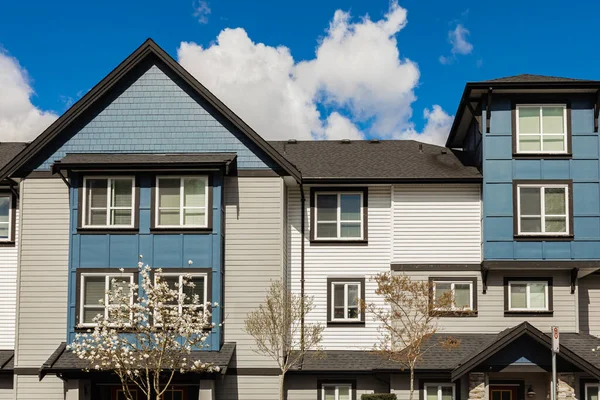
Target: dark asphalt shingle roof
(64,360)
(385,159)
(8,150)
(524,78)
(7,360)
(439,357)
(141,158)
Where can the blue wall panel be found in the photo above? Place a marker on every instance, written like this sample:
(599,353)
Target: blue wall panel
(500,168)
(155,115)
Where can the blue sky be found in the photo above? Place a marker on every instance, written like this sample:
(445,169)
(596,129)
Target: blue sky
(66,47)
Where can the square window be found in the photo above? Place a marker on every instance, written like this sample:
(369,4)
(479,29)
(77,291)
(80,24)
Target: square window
(543,209)
(339,215)
(336,391)
(98,296)
(108,202)
(541,128)
(345,300)
(188,285)
(528,295)
(440,391)
(459,293)
(181,202)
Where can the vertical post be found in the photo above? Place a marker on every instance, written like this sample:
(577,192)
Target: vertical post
(554,382)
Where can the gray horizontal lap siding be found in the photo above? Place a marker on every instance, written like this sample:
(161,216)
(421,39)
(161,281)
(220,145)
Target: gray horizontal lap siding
(589,304)
(42,283)
(253,256)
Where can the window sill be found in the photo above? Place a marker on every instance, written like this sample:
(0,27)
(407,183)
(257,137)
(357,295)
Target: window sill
(346,324)
(7,244)
(543,238)
(101,231)
(333,242)
(180,230)
(456,314)
(510,313)
(538,156)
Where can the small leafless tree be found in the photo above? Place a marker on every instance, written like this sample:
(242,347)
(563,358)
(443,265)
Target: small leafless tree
(409,320)
(276,326)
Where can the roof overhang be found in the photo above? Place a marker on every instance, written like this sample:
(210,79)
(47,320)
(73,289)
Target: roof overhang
(374,180)
(474,92)
(103,162)
(510,336)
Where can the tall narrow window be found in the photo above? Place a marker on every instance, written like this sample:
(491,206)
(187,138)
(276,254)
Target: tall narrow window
(6,217)
(181,201)
(339,215)
(109,202)
(345,301)
(543,209)
(541,128)
(336,392)
(94,296)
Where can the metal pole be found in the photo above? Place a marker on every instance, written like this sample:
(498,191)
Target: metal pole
(554,385)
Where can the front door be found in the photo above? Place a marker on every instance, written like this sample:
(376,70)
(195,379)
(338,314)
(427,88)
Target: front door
(174,393)
(503,392)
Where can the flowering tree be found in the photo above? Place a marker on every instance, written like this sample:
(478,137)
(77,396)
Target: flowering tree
(279,330)
(410,319)
(149,334)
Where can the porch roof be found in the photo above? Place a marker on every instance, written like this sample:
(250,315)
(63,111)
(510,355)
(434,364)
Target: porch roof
(64,361)
(7,360)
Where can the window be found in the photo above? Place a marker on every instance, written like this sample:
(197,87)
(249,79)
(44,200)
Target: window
(338,214)
(108,202)
(541,128)
(181,202)
(337,391)
(6,217)
(528,296)
(591,391)
(344,297)
(175,281)
(461,292)
(439,391)
(543,209)
(93,296)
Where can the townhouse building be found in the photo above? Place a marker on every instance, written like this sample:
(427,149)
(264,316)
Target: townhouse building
(150,164)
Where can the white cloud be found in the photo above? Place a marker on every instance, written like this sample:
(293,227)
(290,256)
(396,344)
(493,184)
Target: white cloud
(356,78)
(20,120)
(201,11)
(458,40)
(436,128)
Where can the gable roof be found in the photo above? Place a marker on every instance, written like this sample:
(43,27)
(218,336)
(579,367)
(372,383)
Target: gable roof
(577,356)
(532,78)
(147,49)
(377,160)
(8,150)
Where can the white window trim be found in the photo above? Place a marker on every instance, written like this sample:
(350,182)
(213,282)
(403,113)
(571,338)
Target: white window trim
(338,220)
(337,387)
(439,387)
(106,305)
(542,134)
(591,384)
(10,217)
(452,284)
(181,275)
(346,284)
(86,214)
(528,296)
(181,200)
(542,188)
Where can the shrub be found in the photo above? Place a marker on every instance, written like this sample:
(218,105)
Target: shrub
(379,396)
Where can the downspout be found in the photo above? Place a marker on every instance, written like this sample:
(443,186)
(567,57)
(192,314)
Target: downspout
(302,236)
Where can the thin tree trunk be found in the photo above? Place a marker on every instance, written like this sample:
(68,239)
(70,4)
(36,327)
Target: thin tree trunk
(412,383)
(282,386)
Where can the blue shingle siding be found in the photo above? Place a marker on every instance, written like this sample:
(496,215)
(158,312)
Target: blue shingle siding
(155,115)
(500,169)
